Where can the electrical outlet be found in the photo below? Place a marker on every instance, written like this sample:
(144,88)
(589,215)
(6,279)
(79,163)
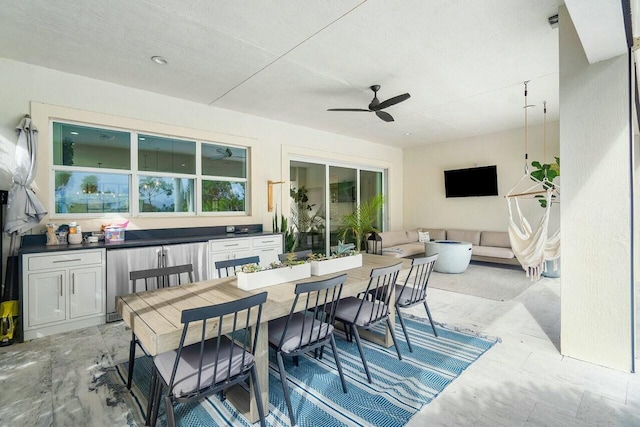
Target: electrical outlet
(231,228)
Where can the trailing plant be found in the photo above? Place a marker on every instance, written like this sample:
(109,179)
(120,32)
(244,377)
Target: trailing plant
(303,217)
(360,221)
(546,173)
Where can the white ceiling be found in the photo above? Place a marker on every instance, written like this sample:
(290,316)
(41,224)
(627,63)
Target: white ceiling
(463,62)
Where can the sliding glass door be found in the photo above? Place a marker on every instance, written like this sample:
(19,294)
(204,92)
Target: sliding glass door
(322,193)
(343,187)
(308,205)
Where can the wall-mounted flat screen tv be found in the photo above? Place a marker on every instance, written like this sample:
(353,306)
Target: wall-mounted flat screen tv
(472,182)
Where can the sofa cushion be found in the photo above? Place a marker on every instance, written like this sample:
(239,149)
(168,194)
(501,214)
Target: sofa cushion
(492,251)
(412,236)
(498,239)
(435,233)
(471,236)
(401,251)
(394,238)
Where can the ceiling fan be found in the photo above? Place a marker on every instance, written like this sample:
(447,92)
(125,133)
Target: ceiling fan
(375,106)
(223,153)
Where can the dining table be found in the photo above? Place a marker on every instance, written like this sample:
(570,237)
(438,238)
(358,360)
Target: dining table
(154,317)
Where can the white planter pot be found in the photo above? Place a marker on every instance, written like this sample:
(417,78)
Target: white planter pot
(320,268)
(261,279)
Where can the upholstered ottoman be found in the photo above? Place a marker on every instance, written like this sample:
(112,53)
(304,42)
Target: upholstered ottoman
(453,255)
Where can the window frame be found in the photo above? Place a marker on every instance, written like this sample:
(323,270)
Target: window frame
(134,175)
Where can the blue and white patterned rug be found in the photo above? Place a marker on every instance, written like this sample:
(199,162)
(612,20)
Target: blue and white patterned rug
(399,389)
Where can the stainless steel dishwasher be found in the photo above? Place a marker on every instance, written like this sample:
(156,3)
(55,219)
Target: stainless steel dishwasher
(120,262)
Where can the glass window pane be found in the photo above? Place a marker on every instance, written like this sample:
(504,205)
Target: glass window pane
(223,196)
(164,194)
(343,194)
(166,155)
(219,160)
(75,145)
(370,186)
(79,192)
(308,213)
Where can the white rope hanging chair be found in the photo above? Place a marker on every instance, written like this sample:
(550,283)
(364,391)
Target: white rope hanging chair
(532,246)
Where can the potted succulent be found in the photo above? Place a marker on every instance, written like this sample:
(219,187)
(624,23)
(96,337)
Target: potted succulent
(344,258)
(253,276)
(360,222)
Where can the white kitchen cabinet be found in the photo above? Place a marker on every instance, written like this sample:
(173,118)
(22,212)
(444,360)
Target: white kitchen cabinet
(86,287)
(267,248)
(45,302)
(63,291)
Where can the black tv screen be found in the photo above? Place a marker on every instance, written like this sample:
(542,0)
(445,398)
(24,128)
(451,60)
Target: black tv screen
(482,181)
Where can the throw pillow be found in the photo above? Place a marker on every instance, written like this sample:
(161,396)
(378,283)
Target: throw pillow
(423,236)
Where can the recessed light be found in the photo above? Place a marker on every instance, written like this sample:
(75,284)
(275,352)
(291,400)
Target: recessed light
(73,133)
(159,60)
(408,134)
(142,139)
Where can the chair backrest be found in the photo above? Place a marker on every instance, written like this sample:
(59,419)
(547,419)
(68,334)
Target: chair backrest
(320,300)
(414,289)
(239,338)
(379,287)
(229,267)
(301,255)
(162,277)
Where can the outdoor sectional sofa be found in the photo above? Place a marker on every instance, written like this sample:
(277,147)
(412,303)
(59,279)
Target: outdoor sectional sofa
(487,246)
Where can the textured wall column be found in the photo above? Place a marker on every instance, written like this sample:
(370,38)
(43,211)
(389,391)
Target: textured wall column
(596,302)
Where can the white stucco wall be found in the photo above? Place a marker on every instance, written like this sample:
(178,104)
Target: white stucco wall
(271,141)
(596,305)
(424,166)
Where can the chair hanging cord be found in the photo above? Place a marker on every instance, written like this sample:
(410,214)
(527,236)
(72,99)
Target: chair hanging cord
(544,137)
(526,128)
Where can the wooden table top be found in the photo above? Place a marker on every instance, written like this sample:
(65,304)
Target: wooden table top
(154,316)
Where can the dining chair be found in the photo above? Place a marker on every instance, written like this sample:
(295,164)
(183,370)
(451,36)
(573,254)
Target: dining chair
(414,290)
(196,371)
(230,266)
(360,312)
(301,255)
(308,329)
(162,278)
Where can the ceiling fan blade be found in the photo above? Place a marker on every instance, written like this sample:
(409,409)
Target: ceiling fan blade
(392,101)
(348,109)
(384,116)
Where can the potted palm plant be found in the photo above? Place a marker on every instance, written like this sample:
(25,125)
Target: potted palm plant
(360,222)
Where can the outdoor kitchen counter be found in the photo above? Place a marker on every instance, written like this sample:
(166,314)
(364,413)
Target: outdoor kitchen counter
(141,238)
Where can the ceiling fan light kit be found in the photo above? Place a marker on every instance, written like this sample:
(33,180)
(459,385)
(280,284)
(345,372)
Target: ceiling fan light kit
(375,105)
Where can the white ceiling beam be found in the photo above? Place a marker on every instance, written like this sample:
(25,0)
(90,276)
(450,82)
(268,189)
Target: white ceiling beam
(600,26)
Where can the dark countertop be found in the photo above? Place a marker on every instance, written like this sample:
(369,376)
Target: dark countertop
(142,238)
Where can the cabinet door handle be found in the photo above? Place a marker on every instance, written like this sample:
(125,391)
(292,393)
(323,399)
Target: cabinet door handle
(230,245)
(73,283)
(60,284)
(268,241)
(67,260)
